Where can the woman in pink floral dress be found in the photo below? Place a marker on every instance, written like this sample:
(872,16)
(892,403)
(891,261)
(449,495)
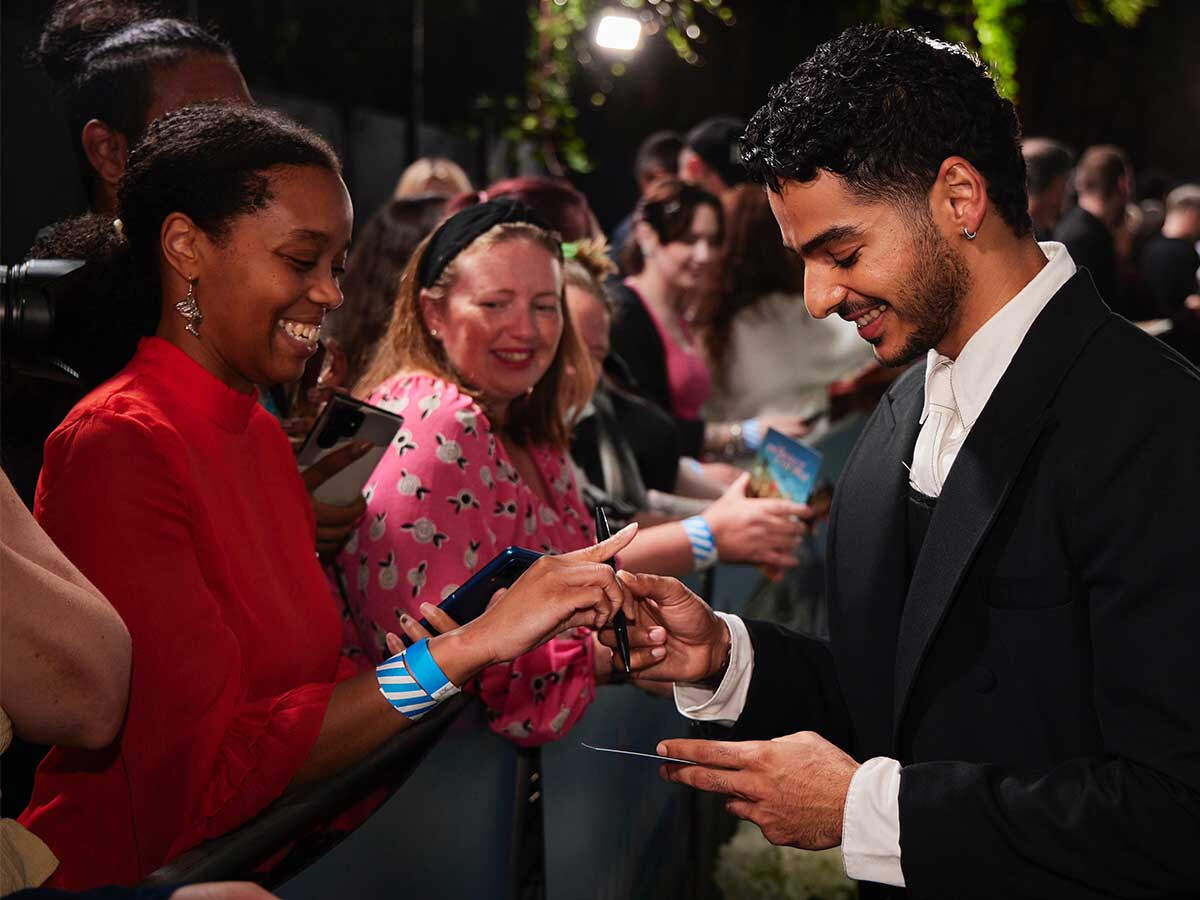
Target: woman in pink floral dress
(477,360)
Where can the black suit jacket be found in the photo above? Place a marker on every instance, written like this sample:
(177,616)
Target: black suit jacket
(1038,678)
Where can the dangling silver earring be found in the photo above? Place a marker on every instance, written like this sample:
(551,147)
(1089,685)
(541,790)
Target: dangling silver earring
(969,235)
(190,310)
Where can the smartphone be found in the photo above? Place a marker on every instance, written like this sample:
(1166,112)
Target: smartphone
(346,420)
(472,598)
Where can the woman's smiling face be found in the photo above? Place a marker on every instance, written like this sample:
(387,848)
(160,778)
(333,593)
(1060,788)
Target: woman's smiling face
(502,317)
(265,285)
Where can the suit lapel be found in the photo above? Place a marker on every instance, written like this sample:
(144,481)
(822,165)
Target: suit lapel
(986,467)
(868,566)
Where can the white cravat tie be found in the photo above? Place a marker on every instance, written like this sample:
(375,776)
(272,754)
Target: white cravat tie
(941,434)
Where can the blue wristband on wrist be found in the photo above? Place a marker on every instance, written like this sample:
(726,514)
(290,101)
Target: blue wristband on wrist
(752,434)
(704,545)
(413,682)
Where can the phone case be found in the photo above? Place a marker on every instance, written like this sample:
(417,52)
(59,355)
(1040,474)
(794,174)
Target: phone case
(471,599)
(363,422)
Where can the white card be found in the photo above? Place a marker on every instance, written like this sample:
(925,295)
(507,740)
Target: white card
(665,759)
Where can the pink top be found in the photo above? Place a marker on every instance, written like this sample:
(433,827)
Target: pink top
(443,501)
(687,373)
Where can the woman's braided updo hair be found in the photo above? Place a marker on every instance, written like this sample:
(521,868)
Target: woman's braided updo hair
(211,162)
(101,55)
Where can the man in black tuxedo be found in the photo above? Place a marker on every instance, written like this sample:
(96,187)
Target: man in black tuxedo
(1008,703)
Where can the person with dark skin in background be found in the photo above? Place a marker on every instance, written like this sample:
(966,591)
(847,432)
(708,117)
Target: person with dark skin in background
(1006,706)
(120,68)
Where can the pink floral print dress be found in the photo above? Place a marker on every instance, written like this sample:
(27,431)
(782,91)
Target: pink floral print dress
(443,501)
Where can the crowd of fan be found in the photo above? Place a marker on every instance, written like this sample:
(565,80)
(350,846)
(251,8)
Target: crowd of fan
(540,368)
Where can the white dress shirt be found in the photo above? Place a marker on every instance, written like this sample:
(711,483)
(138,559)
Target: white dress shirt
(956,392)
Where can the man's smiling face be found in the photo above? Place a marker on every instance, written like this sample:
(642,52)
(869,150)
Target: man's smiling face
(879,264)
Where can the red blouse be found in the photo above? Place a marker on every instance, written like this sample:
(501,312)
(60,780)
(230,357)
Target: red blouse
(179,498)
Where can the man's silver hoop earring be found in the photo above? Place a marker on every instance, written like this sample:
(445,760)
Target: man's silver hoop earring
(969,235)
(190,310)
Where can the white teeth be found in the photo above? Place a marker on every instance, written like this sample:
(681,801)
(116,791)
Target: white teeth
(301,331)
(869,317)
(518,356)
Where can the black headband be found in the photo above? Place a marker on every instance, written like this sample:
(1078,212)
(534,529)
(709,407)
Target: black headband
(458,232)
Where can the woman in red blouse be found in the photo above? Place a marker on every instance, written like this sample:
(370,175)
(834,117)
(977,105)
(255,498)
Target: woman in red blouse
(179,498)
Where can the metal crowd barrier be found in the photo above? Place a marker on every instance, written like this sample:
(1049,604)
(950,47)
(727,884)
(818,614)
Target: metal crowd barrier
(613,829)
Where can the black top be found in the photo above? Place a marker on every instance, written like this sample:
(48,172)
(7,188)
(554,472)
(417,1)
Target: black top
(1090,244)
(636,340)
(635,426)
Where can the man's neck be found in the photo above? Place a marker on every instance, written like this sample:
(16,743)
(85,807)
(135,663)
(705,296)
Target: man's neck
(996,278)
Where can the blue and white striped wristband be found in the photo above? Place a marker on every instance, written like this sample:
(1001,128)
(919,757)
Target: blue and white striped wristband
(704,545)
(413,682)
(752,434)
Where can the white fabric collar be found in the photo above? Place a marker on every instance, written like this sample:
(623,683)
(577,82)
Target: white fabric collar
(986,355)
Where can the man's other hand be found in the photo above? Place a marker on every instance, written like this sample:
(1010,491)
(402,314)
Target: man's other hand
(793,787)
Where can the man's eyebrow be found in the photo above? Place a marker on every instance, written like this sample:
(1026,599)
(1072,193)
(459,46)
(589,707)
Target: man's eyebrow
(307,234)
(828,236)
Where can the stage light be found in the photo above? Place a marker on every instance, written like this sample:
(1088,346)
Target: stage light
(617,32)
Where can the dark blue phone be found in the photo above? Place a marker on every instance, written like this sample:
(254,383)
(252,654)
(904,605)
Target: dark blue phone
(471,599)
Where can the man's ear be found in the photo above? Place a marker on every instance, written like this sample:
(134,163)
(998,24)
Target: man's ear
(183,245)
(959,197)
(106,149)
(433,313)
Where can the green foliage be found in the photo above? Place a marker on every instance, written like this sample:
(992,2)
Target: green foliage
(751,868)
(560,52)
(560,49)
(993,27)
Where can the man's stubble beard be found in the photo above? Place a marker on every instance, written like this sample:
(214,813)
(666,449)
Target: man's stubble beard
(932,292)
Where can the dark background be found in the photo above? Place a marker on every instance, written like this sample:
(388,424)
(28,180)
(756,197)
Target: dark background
(345,68)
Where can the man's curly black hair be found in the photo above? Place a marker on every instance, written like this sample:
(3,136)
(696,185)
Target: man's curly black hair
(882,108)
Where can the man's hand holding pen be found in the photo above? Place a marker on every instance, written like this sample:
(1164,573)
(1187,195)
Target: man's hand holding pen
(673,618)
(793,787)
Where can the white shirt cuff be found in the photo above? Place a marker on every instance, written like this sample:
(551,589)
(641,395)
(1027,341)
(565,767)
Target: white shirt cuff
(726,703)
(871,823)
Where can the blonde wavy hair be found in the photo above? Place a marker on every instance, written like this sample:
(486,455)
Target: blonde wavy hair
(540,418)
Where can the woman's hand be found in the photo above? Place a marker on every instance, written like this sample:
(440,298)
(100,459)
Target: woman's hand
(555,594)
(751,530)
(334,523)
(792,426)
(437,619)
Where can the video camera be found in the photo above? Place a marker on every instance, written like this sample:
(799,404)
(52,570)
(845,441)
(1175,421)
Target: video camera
(38,300)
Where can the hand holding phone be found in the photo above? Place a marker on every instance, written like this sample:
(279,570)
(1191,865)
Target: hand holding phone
(342,422)
(472,598)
